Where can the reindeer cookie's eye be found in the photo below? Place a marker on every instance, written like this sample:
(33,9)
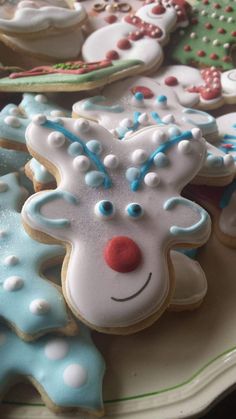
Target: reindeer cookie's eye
(104,209)
(134,210)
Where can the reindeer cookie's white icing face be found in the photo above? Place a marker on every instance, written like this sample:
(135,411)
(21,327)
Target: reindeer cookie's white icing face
(118,206)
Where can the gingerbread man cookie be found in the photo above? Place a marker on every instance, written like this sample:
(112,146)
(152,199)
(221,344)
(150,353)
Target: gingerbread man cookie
(67,371)
(119,204)
(29,303)
(210,37)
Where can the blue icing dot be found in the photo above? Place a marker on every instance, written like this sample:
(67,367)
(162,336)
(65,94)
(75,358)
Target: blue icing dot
(106,208)
(75,149)
(94,178)
(160,160)
(132,173)
(161,99)
(139,96)
(94,146)
(174,131)
(134,210)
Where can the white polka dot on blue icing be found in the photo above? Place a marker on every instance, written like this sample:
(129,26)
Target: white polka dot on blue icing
(132,173)
(94,146)
(94,178)
(75,375)
(75,149)
(161,160)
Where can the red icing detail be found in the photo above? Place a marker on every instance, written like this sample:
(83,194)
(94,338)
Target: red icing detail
(148,29)
(135,36)
(229,9)
(201,53)
(158,10)
(233,33)
(214,56)
(112,55)
(194,21)
(205,1)
(110,19)
(147,93)
(208,26)
(122,254)
(124,43)
(187,48)
(171,81)
(217,6)
(221,30)
(212,87)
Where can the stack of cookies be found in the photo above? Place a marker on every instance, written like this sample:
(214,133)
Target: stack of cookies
(111,183)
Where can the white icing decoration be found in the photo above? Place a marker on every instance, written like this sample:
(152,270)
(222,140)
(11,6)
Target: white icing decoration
(139,156)
(39,306)
(111,161)
(159,137)
(57,113)
(41,98)
(152,179)
(81,163)
(3,186)
(168,119)
(39,119)
(12,121)
(11,260)
(13,283)
(81,125)
(184,146)
(56,349)
(15,111)
(126,123)
(196,133)
(75,376)
(143,118)
(56,139)
(228,160)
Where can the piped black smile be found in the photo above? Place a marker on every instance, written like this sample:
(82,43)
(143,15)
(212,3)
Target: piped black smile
(136,294)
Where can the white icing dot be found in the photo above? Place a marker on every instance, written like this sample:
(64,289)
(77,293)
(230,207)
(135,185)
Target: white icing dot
(184,146)
(139,156)
(221,18)
(12,121)
(196,133)
(11,260)
(228,160)
(111,161)
(226,46)
(15,111)
(39,119)
(56,349)
(143,118)
(41,99)
(3,338)
(81,125)
(205,39)
(193,35)
(3,186)
(13,283)
(168,119)
(152,179)
(39,306)
(81,163)
(128,134)
(75,375)
(57,113)
(126,123)
(56,139)
(216,42)
(159,137)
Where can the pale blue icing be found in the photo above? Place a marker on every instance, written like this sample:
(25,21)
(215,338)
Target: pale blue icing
(34,208)
(92,156)
(144,169)
(32,107)
(13,161)
(227,194)
(191,253)
(47,366)
(41,175)
(228,143)
(207,127)
(179,231)
(94,104)
(29,257)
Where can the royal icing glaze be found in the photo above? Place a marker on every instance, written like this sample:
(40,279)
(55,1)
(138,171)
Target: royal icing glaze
(29,303)
(96,169)
(204,89)
(210,37)
(67,371)
(133,104)
(138,36)
(29,18)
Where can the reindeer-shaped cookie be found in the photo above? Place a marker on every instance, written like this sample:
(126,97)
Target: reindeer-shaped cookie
(119,210)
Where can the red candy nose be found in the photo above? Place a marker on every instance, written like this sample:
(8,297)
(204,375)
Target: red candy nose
(122,254)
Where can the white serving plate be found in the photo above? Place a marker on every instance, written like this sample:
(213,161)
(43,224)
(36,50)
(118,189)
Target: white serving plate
(176,368)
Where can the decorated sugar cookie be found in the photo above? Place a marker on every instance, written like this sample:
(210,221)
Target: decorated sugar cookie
(118,205)
(138,36)
(210,37)
(67,371)
(28,302)
(128,106)
(70,76)
(204,89)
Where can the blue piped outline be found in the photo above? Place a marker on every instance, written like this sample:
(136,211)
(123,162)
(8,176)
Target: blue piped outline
(186,135)
(92,156)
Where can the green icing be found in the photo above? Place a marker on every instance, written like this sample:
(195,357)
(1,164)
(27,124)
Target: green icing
(219,38)
(69,78)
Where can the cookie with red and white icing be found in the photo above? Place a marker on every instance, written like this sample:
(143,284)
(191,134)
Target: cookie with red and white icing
(118,205)
(204,89)
(139,36)
(39,18)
